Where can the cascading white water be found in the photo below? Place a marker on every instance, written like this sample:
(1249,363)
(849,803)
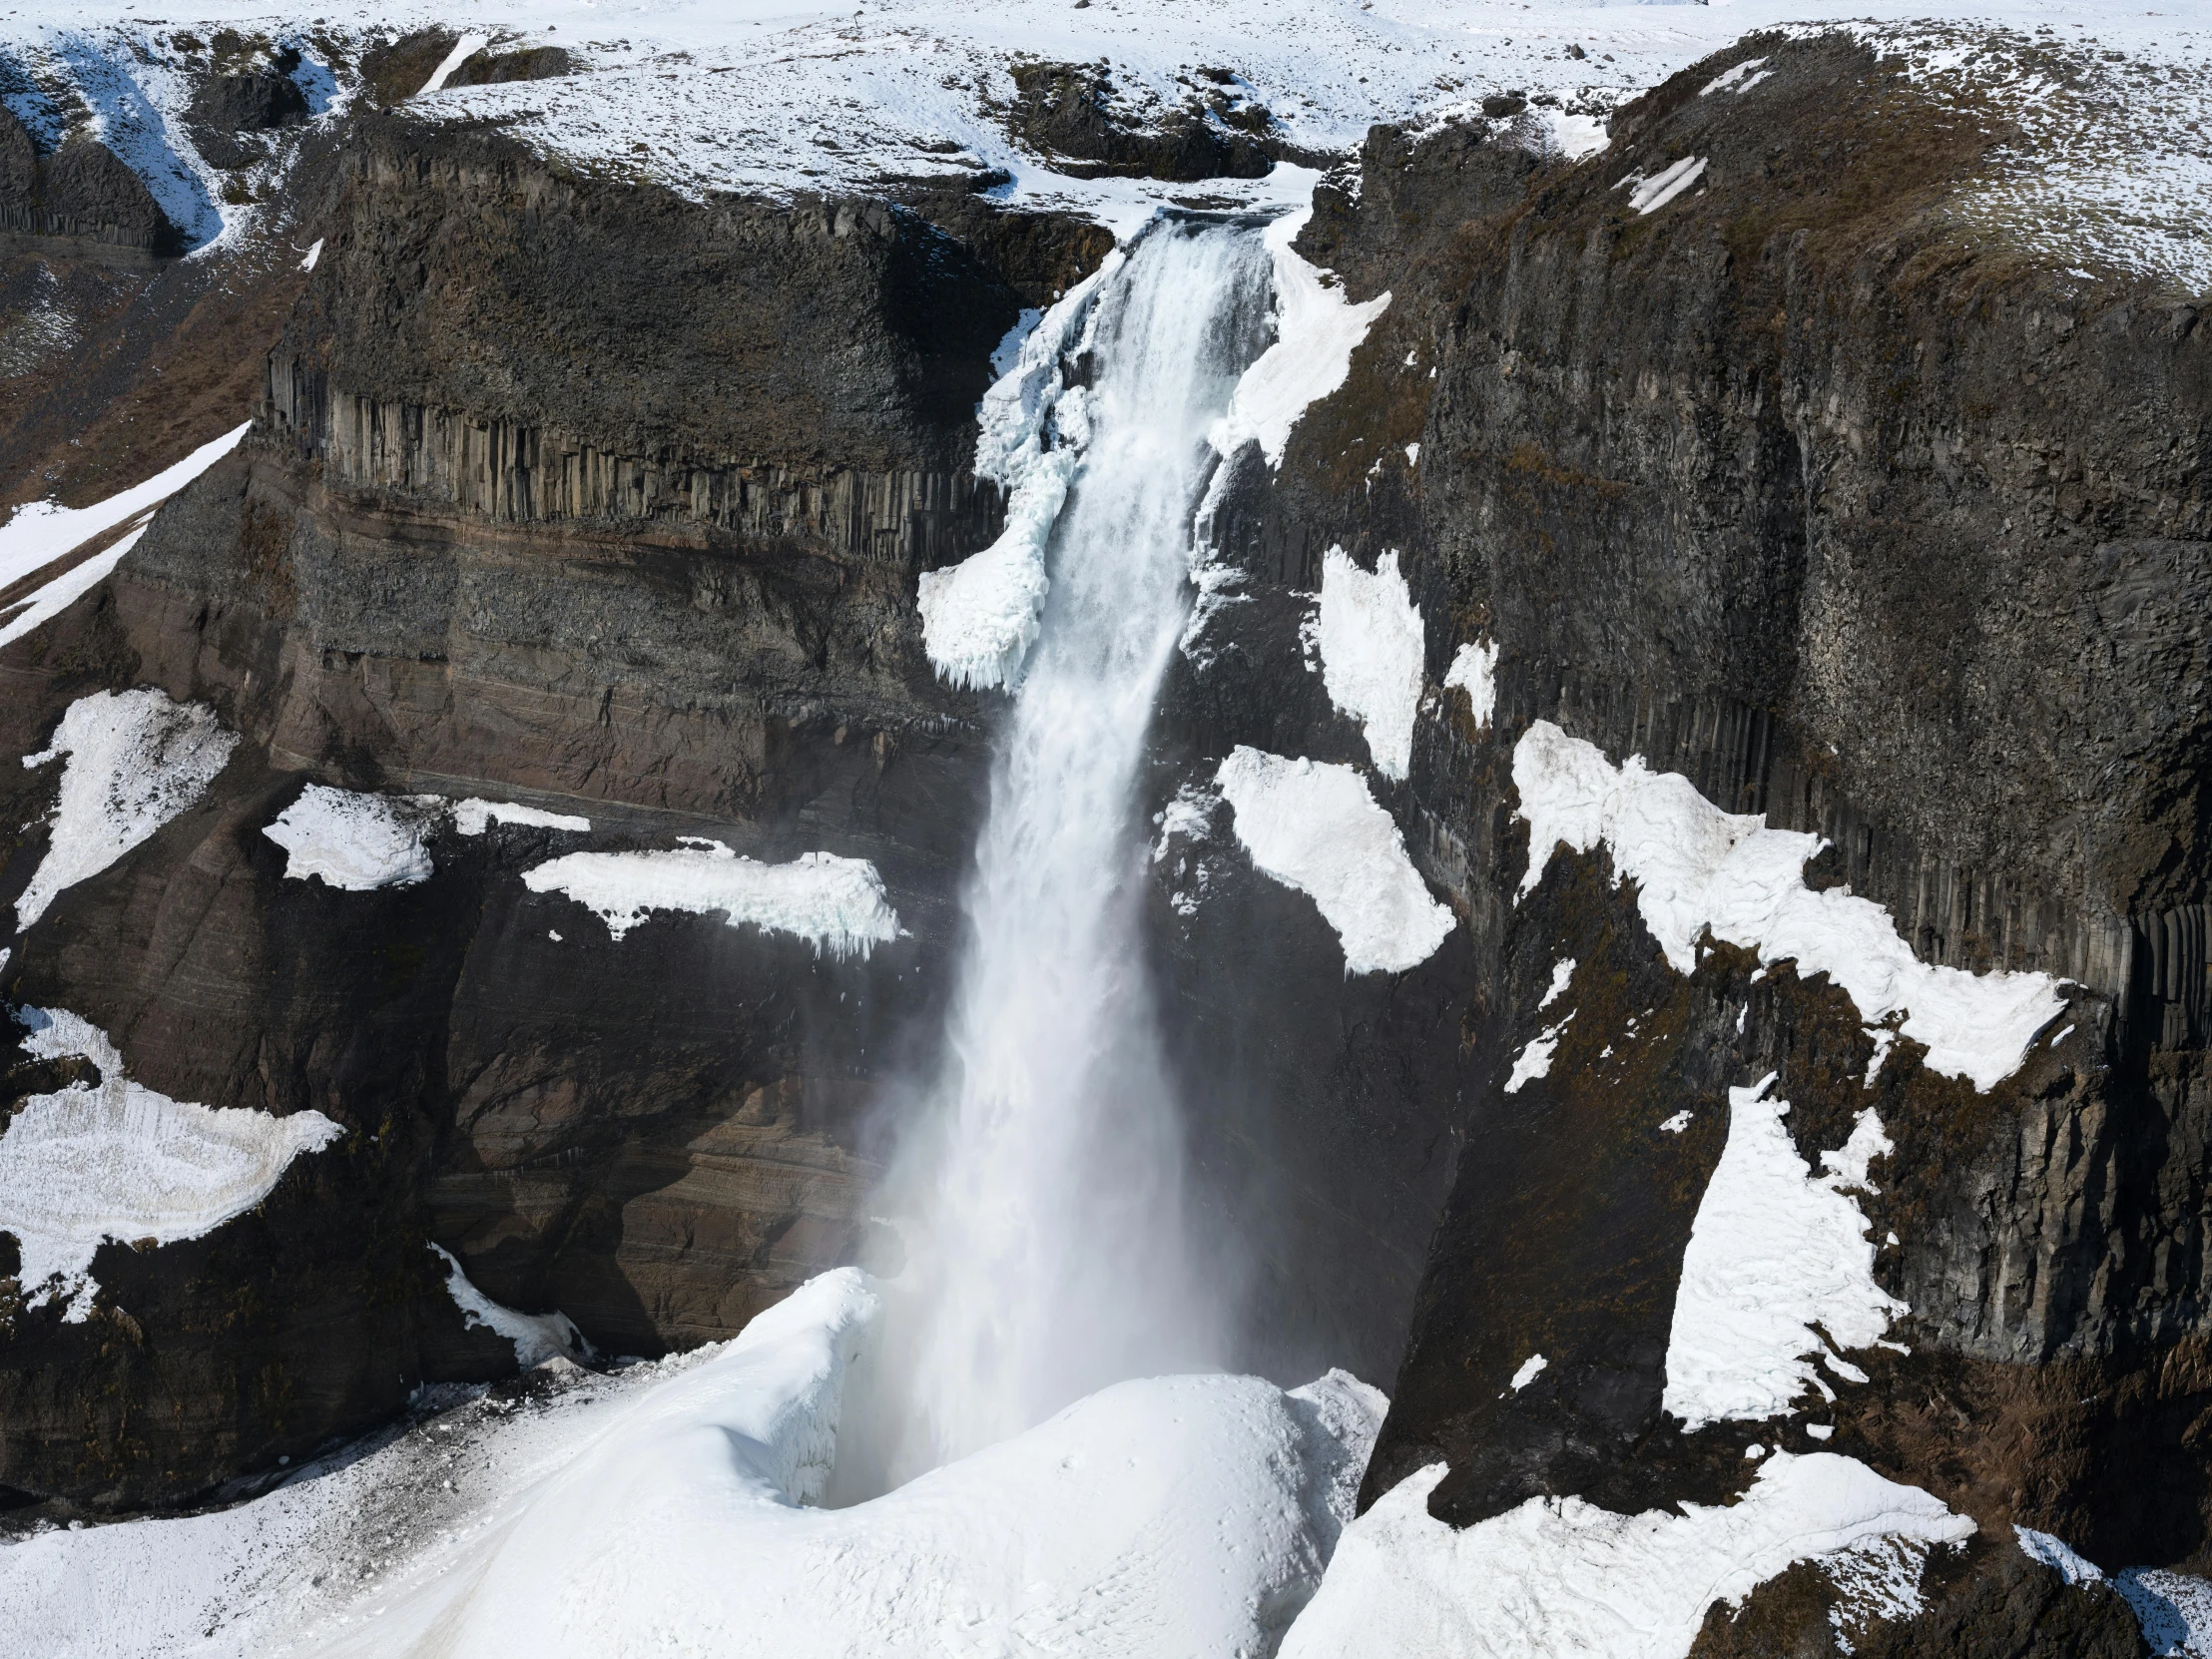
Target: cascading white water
(1050,1246)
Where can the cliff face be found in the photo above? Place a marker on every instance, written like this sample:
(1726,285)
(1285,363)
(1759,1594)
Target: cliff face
(661,574)
(1814,484)
(1811,486)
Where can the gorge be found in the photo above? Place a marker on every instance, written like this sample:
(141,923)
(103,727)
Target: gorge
(1325,829)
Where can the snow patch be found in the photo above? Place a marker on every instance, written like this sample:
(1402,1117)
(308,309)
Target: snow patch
(1648,195)
(1698,868)
(1729,80)
(352,841)
(537,1338)
(1317,329)
(980,615)
(1562,1576)
(2071,1566)
(473,817)
(1676,1124)
(463,49)
(1530,1369)
(1190,814)
(115,1161)
(1561,973)
(1475,671)
(1370,654)
(135,761)
(1317,827)
(313,254)
(1535,1059)
(1773,1252)
(836,905)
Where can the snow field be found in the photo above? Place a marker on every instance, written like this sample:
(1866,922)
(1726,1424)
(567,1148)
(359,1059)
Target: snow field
(1697,869)
(1317,827)
(1776,1256)
(836,905)
(133,761)
(1558,1577)
(474,816)
(117,1161)
(1372,653)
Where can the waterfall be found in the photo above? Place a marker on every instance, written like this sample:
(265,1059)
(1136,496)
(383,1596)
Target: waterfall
(1050,1249)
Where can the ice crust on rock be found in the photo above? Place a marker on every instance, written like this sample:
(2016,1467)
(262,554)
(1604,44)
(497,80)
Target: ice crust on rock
(836,904)
(1317,827)
(1317,327)
(1697,868)
(537,1338)
(117,1161)
(1777,1255)
(1370,654)
(980,615)
(668,1507)
(134,759)
(1560,1576)
(1475,671)
(352,841)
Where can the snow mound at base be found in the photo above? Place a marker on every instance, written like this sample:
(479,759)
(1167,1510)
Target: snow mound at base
(661,1509)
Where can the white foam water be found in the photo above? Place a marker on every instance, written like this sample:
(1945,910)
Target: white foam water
(1043,1191)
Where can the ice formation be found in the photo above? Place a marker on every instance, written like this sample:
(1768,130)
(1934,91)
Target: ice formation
(117,1161)
(1560,1576)
(537,1338)
(1370,654)
(1317,827)
(134,759)
(836,904)
(1776,1256)
(1317,329)
(353,842)
(1697,868)
(979,617)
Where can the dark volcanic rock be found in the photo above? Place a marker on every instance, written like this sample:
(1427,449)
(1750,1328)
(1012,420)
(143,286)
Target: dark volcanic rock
(1069,113)
(226,109)
(533,63)
(81,189)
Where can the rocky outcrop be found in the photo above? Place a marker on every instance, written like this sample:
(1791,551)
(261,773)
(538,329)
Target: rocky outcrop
(80,190)
(1073,114)
(227,109)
